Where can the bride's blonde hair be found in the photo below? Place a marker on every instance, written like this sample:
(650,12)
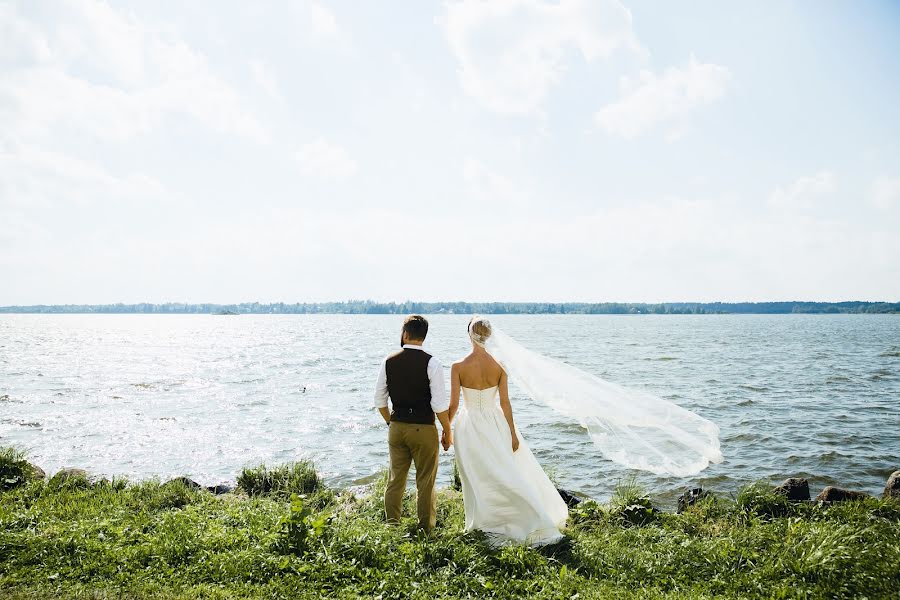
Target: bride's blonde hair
(479,330)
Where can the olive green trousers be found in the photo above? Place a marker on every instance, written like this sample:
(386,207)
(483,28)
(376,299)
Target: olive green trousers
(411,443)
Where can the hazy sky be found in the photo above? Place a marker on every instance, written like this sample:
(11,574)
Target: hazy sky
(583,150)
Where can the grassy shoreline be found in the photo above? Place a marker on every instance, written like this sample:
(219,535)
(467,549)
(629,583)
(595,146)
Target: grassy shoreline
(285,535)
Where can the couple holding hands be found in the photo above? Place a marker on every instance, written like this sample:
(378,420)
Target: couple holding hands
(506,493)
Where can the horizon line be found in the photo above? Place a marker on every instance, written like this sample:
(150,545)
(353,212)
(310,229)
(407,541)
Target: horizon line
(410,301)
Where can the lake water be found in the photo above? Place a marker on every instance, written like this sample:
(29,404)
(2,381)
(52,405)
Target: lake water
(200,395)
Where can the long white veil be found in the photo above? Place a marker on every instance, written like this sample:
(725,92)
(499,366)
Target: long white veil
(630,427)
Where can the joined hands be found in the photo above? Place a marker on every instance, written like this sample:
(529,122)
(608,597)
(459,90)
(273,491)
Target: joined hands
(446,439)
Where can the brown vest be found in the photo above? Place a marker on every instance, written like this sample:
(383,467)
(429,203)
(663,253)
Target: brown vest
(408,386)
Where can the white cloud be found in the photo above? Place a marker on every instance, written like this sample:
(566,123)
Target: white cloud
(489,186)
(265,78)
(886,192)
(319,26)
(805,192)
(22,41)
(652,99)
(91,70)
(65,220)
(326,160)
(510,52)
(689,249)
(667,249)
(323,21)
(39,179)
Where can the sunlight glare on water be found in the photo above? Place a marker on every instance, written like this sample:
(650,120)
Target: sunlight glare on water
(203,395)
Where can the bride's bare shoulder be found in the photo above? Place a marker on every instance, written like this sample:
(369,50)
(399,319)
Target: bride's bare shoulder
(460,364)
(471,363)
(464,360)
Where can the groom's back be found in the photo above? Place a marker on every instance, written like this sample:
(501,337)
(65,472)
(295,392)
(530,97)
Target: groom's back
(409,387)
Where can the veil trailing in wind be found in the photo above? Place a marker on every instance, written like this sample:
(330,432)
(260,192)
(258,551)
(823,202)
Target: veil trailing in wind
(630,427)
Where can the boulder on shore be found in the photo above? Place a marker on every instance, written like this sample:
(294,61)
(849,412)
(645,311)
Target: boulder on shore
(569,498)
(68,473)
(892,487)
(836,494)
(190,483)
(37,472)
(186,482)
(795,488)
(690,497)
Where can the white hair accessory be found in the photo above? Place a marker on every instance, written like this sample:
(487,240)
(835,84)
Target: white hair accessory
(479,338)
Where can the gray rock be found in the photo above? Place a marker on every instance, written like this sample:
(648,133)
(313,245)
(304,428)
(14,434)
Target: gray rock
(690,497)
(569,498)
(37,472)
(186,482)
(795,488)
(892,487)
(836,494)
(219,489)
(68,473)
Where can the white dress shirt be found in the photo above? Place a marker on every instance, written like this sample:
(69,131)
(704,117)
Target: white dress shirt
(439,399)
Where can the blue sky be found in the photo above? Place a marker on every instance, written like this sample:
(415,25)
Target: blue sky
(512,150)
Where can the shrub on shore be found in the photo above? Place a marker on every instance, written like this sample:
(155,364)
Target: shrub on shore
(280,481)
(759,499)
(631,505)
(152,540)
(14,468)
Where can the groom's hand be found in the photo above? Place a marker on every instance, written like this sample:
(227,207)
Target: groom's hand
(446,433)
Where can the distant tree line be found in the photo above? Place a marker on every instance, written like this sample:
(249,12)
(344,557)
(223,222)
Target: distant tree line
(360,307)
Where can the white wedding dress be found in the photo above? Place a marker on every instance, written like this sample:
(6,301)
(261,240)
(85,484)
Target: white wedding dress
(506,495)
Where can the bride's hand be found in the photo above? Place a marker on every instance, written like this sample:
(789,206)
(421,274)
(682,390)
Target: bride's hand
(515,442)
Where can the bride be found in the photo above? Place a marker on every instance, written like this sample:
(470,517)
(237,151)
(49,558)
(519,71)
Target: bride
(505,492)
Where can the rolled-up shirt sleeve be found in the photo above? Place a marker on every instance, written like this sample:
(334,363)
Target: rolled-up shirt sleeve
(381,388)
(439,399)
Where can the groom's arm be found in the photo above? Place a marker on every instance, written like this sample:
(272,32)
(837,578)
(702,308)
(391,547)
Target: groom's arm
(381,394)
(439,400)
(440,403)
(446,432)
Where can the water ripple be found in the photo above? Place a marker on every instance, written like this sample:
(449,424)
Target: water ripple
(155,395)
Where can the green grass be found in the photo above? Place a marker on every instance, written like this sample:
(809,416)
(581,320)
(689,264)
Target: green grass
(150,540)
(14,468)
(280,481)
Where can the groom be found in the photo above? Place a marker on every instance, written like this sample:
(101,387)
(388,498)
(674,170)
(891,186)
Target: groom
(414,382)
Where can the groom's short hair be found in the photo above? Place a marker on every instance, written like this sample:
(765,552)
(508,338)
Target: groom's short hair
(416,327)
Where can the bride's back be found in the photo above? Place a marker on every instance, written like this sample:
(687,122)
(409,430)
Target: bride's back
(478,371)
